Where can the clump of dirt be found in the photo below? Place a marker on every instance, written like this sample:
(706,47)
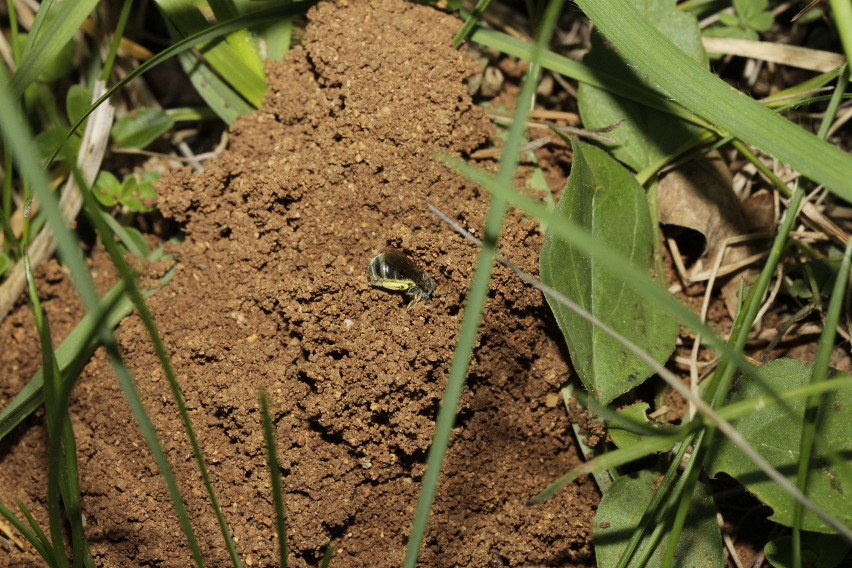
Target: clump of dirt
(271,291)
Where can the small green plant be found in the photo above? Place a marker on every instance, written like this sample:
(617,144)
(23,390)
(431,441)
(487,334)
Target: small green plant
(132,192)
(750,18)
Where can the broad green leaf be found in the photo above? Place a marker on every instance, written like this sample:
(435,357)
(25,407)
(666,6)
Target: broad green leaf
(139,128)
(605,199)
(107,188)
(646,135)
(624,435)
(49,140)
(77,102)
(619,514)
(776,435)
(818,551)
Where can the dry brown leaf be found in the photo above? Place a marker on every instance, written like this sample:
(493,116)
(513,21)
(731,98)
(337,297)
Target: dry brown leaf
(795,56)
(698,195)
(759,211)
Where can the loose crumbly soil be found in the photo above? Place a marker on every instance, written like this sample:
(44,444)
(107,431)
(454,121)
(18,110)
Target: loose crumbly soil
(271,291)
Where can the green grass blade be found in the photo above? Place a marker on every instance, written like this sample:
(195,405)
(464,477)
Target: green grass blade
(71,498)
(116,255)
(842,12)
(55,415)
(470,23)
(274,479)
(117,35)
(475,303)
(65,22)
(583,73)
(242,70)
(219,96)
(71,355)
(714,100)
(734,410)
(62,449)
(326,558)
(34,535)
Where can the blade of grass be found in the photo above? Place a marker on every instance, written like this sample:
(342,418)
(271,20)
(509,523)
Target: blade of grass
(274,479)
(822,358)
(62,449)
(118,33)
(326,558)
(476,300)
(116,255)
(17,135)
(842,12)
(54,415)
(67,19)
(470,23)
(34,535)
(714,100)
(71,496)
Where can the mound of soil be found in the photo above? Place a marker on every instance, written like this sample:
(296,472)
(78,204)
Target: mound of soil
(271,291)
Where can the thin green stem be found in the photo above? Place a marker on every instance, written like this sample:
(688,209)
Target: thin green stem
(274,479)
(120,26)
(475,301)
